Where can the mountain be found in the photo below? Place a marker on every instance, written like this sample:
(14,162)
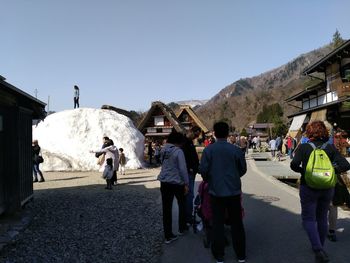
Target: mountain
(240,102)
(67,137)
(193,103)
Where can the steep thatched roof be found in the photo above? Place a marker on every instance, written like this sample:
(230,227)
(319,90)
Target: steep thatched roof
(166,111)
(118,110)
(193,115)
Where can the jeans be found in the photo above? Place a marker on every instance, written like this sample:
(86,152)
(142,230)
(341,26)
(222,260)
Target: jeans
(314,210)
(168,191)
(36,172)
(76,102)
(221,207)
(189,197)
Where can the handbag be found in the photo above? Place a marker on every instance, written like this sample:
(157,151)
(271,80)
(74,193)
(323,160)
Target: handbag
(341,193)
(40,159)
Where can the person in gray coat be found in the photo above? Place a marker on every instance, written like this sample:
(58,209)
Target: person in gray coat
(173,179)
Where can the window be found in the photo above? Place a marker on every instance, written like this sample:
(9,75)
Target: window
(151,130)
(322,99)
(159,120)
(313,101)
(306,104)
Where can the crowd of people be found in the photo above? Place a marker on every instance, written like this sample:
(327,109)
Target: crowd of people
(222,165)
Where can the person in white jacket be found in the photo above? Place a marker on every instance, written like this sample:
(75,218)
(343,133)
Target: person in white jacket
(110,151)
(173,179)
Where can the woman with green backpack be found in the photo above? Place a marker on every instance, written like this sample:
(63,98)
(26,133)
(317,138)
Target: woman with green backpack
(317,162)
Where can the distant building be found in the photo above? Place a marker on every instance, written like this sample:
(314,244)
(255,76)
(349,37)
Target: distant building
(329,100)
(17,111)
(189,118)
(263,130)
(159,122)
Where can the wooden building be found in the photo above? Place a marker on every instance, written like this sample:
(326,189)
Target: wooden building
(329,100)
(264,130)
(189,118)
(159,122)
(17,110)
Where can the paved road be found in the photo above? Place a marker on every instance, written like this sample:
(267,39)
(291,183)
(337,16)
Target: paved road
(272,223)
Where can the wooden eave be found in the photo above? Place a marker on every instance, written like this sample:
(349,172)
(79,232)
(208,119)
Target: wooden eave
(318,107)
(308,91)
(320,66)
(24,99)
(193,115)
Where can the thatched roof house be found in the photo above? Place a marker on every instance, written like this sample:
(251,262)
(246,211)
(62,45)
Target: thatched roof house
(159,121)
(189,118)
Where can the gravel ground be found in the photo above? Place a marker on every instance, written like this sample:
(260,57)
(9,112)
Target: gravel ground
(74,219)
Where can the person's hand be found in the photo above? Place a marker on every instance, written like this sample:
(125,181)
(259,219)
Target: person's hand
(186,189)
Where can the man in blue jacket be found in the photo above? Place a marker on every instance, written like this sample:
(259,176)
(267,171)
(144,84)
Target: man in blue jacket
(222,166)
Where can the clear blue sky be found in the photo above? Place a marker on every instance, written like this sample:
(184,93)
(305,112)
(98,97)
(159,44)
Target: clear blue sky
(128,53)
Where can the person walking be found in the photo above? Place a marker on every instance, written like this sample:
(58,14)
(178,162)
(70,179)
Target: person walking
(150,152)
(272,144)
(315,202)
(173,179)
(192,163)
(108,173)
(76,96)
(122,161)
(36,151)
(222,165)
(340,143)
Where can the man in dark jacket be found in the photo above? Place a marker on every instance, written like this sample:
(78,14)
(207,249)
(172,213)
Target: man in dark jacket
(222,166)
(192,163)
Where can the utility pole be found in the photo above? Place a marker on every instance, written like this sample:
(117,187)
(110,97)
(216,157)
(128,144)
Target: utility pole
(36,93)
(48,104)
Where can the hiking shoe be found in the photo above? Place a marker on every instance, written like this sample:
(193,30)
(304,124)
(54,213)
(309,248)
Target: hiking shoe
(332,237)
(36,180)
(171,239)
(41,181)
(321,256)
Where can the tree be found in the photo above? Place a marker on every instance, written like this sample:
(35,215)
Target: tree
(337,39)
(279,128)
(270,113)
(244,132)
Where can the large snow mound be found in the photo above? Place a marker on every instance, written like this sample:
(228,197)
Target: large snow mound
(66,139)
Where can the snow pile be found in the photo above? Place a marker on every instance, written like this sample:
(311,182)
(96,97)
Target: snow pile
(67,137)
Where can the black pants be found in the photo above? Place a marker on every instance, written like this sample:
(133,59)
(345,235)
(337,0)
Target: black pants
(114,178)
(168,192)
(109,183)
(76,102)
(232,206)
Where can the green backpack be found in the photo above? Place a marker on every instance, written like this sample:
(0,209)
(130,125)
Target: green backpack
(319,173)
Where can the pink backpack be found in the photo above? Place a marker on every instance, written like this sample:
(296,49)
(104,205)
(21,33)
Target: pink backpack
(204,207)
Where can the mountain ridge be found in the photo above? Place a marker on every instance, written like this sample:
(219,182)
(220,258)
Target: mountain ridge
(240,102)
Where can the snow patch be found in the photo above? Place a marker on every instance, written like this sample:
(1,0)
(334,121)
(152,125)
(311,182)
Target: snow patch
(67,137)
